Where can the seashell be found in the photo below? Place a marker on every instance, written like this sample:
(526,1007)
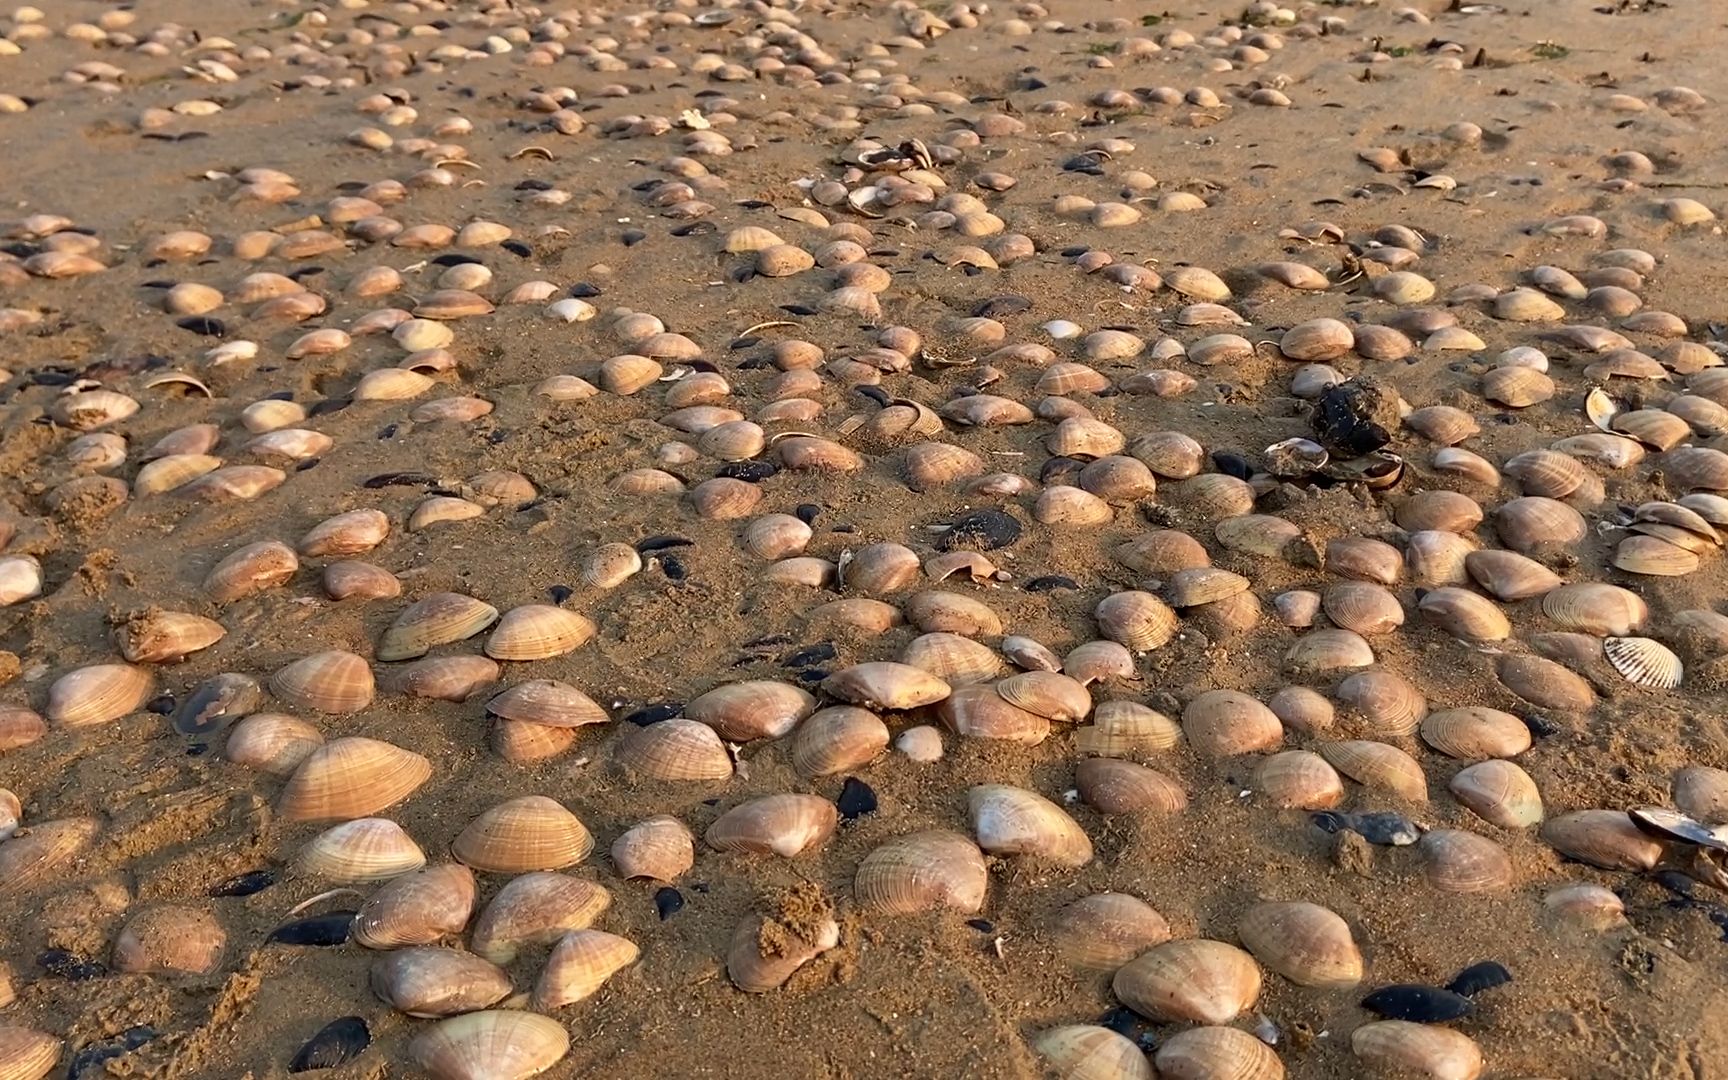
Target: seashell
(1191,980)
(1448,511)
(1525,524)
(1306,943)
(518,835)
(1655,557)
(348,579)
(1644,662)
(579,965)
(1030,655)
(1121,729)
(1213,1053)
(88,410)
(759,959)
(1298,780)
(1170,454)
(784,825)
(921,871)
(446,678)
(1545,684)
(442,508)
(19,727)
(1106,930)
(391,384)
(1607,839)
(171,472)
(97,452)
(535,909)
(1443,424)
(1303,709)
(275,743)
(1216,495)
(1362,559)
(611,565)
(98,694)
(885,685)
(1362,607)
(1165,551)
(249,570)
(1461,462)
(1382,343)
(1137,620)
(805,454)
(1122,787)
(660,848)
(942,612)
(1517,387)
(291,443)
(1049,694)
(1455,861)
(529,632)
(169,940)
(1013,821)
(351,778)
(980,712)
(1389,702)
(861,612)
(1197,283)
(497,1045)
(1420,1049)
(674,749)
(1317,340)
(28,1054)
(35,856)
(1475,733)
(1255,534)
(1080,437)
(931,465)
(326,682)
(1529,305)
(352,533)
(954,659)
(435,619)
(776,536)
(417,908)
(1098,661)
(1088,1052)
(1063,505)
(1195,586)
(1510,576)
(434,982)
(879,569)
(1224,723)
(1325,650)
(836,740)
(365,849)
(1499,792)
(1380,766)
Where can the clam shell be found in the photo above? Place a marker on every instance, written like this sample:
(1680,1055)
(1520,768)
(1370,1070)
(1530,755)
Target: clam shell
(98,694)
(496,1045)
(1362,559)
(1531,522)
(942,612)
(1602,838)
(1122,787)
(1306,943)
(548,702)
(274,743)
(1326,650)
(169,940)
(535,909)
(1362,607)
(1305,710)
(776,536)
(885,685)
(537,632)
(1455,861)
(1164,551)
(674,749)
(250,570)
(1098,661)
(660,848)
(446,678)
(579,966)
(611,565)
(1545,684)
(1508,576)
(1124,729)
(1049,694)
(1216,1053)
(349,579)
(365,849)
(752,710)
(433,620)
(326,682)
(1701,792)
(1298,780)
(954,659)
(1499,792)
(922,871)
(1644,662)
(1104,931)
(1388,702)
(158,636)
(27,1054)
(351,778)
(1136,620)
(1193,980)
(1378,765)
(437,982)
(34,856)
(1465,614)
(352,533)
(1417,1049)
(1224,723)
(783,825)
(1088,1052)
(763,955)
(417,908)
(532,832)
(1013,821)
(837,740)
(979,712)
(1474,733)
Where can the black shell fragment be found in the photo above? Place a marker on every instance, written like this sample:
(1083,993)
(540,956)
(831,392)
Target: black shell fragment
(217,702)
(337,1043)
(806,512)
(91,1062)
(672,567)
(1051,583)
(752,471)
(1379,827)
(856,799)
(1421,1004)
(202,325)
(1232,464)
(331,928)
(1061,470)
(668,902)
(1356,417)
(981,530)
(661,543)
(812,654)
(653,714)
(1479,977)
(398,479)
(252,881)
(161,704)
(67,965)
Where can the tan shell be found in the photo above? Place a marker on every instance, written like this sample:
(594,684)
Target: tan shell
(579,965)
(1122,787)
(1306,943)
(921,871)
(1317,340)
(1455,861)
(275,743)
(547,702)
(1013,821)
(1089,1052)
(98,694)
(1532,522)
(1049,694)
(933,611)
(1464,614)
(497,1045)
(350,778)
(1474,733)
(1654,557)
(1389,703)
(1603,838)
(157,637)
(172,471)
(1545,684)
(418,908)
(1097,661)
(537,632)
(532,832)
(879,569)
(446,678)
(1137,620)
(436,982)
(660,848)
(1419,1049)
(1499,792)
(251,569)
(1378,765)
(352,533)
(1104,931)
(1164,551)
(433,620)
(836,740)
(1362,559)
(1701,792)
(1193,980)
(1362,607)
(979,712)
(27,1054)
(365,849)
(1326,650)
(784,825)
(326,682)
(674,749)
(954,659)
(763,955)
(442,508)
(1224,723)
(1509,576)
(1211,496)
(350,579)
(1302,709)
(885,685)
(1298,780)
(33,856)
(1216,1053)
(776,536)
(169,940)
(535,909)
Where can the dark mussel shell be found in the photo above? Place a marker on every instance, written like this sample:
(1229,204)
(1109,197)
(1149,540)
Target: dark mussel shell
(217,702)
(818,653)
(68,965)
(856,799)
(91,1062)
(668,902)
(661,543)
(1420,1004)
(337,1043)
(1357,416)
(331,928)
(1676,827)
(1379,827)
(252,881)
(653,714)
(981,530)
(1479,977)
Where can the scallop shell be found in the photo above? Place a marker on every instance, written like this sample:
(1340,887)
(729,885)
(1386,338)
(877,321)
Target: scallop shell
(418,908)
(921,871)
(1193,980)
(496,1045)
(1644,662)
(351,778)
(674,749)
(532,832)
(1013,821)
(535,909)
(365,849)
(1104,931)
(660,848)
(1306,943)
(327,682)
(1089,1052)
